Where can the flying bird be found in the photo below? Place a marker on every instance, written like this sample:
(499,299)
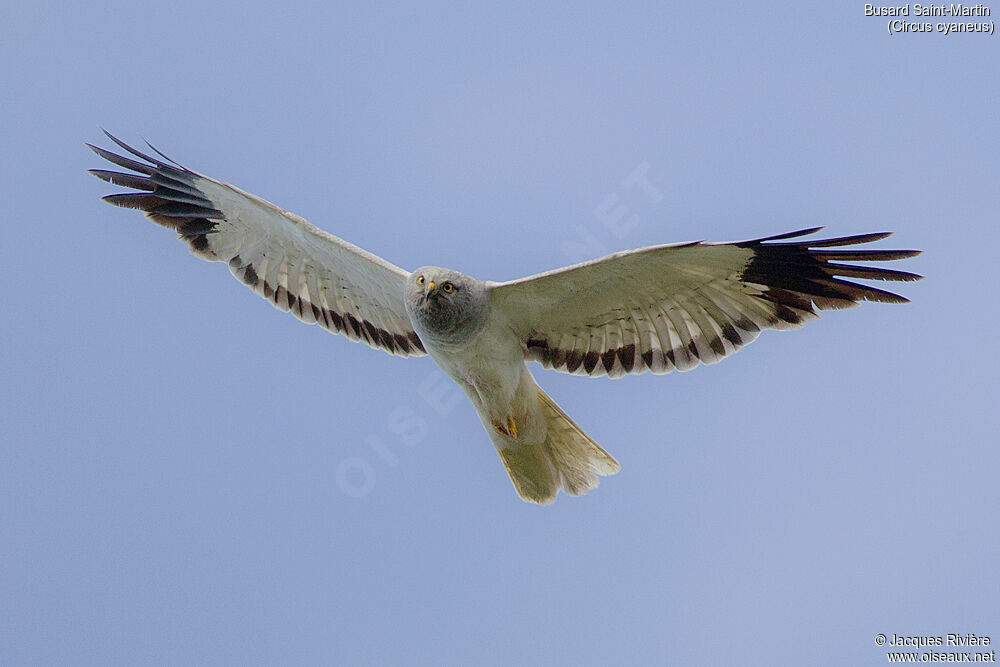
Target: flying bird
(654,309)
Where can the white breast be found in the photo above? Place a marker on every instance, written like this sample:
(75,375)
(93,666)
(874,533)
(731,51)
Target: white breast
(488,366)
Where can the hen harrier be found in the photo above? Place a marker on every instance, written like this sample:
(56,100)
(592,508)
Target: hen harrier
(652,309)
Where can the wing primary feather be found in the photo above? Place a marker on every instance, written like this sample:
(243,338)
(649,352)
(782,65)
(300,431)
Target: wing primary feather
(171,183)
(861,292)
(138,154)
(125,162)
(173,209)
(124,180)
(869,272)
(863,255)
(840,241)
(183,197)
(132,200)
(777,237)
(160,153)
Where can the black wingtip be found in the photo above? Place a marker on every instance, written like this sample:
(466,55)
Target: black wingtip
(124,180)
(111,136)
(848,240)
(778,237)
(791,235)
(160,153)
(121,161)
(137,200)
(133,151)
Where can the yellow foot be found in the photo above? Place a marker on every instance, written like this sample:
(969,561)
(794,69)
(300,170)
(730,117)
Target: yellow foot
(509,430)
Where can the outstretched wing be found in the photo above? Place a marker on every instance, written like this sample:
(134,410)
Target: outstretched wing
(300,268)
(673,306)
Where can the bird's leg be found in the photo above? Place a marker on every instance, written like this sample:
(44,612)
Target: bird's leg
(509,429)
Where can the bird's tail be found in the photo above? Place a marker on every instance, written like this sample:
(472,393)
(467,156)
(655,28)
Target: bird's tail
(567,459)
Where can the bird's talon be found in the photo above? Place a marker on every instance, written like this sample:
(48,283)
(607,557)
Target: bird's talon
(509,429)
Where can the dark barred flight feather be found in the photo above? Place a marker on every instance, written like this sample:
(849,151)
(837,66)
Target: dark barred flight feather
(169,195)
(781,284)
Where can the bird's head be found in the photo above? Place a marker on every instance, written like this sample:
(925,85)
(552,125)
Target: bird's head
(444,303)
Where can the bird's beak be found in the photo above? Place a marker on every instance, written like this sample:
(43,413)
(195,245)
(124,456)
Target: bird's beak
(429,291)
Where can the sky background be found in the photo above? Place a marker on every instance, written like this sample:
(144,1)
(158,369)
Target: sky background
(188,475)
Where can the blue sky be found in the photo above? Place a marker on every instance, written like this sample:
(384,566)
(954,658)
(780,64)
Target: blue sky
(188,475)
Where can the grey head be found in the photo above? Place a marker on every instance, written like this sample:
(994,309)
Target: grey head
(445,305)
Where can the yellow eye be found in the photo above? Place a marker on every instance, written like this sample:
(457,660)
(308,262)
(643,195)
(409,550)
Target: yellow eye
(420,280)
(448,288)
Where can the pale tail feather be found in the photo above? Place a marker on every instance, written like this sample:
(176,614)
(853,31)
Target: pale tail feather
(568,459)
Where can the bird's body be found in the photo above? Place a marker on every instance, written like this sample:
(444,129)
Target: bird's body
(490,368)
(542,449)
(653,309)
(486,361)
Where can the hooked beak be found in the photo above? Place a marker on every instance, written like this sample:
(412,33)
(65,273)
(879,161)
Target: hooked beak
(430,291)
